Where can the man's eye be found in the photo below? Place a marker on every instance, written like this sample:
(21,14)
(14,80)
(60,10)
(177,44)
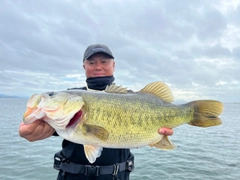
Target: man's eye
(105,61)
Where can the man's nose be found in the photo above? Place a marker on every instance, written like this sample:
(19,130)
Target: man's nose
(98,66)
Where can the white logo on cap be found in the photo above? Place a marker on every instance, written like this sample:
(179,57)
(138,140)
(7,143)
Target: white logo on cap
(99,49)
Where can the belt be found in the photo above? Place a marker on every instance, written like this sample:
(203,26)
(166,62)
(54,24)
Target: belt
(61,163)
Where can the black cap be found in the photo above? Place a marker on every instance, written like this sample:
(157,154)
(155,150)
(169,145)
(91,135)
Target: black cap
(97,48)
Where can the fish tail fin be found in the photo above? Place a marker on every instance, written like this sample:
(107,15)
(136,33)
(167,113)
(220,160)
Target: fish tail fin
(206,113)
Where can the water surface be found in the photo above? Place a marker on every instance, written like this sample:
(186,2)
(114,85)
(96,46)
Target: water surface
(201,153)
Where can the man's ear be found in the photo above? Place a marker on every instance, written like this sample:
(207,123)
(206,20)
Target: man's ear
(83,66)
(114,65)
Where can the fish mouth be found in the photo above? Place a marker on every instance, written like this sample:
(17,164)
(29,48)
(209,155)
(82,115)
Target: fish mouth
(76,118)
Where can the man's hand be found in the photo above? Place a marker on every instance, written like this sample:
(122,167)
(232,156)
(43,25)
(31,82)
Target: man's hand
(37,130)
(165,131)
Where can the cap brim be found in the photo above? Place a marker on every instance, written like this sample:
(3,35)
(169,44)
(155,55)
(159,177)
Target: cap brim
(86,58)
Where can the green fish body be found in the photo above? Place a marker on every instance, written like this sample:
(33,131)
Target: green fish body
(117,118)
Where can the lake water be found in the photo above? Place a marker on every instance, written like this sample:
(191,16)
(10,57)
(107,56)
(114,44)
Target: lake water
(201,153)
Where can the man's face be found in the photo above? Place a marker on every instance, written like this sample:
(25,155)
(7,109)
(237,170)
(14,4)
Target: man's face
(98,65)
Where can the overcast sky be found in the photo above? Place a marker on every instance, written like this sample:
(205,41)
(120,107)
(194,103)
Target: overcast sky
(192,45)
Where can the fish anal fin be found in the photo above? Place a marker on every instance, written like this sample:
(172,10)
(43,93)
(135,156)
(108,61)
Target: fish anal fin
(160,90)
(164,144)
(113,88)
(92,152)
(98,131)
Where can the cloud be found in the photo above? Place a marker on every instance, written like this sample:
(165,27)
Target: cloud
(193,46)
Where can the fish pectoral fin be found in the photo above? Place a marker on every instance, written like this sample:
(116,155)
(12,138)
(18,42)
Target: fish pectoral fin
(160,90)
(92,152)
(164,144)
(98,131)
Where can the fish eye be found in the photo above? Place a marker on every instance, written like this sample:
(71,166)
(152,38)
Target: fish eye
(51,93)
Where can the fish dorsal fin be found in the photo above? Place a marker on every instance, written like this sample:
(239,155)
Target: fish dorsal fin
(159,89)
(92,152)
(91,89)
(113,88)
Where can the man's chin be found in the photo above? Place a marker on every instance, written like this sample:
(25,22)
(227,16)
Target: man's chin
(99,75)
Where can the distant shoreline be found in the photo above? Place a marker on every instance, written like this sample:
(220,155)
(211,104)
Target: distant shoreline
(8,96)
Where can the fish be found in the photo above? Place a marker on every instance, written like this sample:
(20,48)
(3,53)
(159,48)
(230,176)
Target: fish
(119,118)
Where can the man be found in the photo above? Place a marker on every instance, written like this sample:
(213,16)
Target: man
(99,65)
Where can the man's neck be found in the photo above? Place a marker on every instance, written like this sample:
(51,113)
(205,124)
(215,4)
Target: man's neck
(99,83)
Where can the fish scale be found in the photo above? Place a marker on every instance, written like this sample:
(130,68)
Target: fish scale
(136,119)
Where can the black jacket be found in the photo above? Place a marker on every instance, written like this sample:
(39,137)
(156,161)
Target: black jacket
(75,153)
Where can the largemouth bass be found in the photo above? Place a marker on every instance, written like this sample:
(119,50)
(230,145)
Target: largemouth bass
(116,118)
